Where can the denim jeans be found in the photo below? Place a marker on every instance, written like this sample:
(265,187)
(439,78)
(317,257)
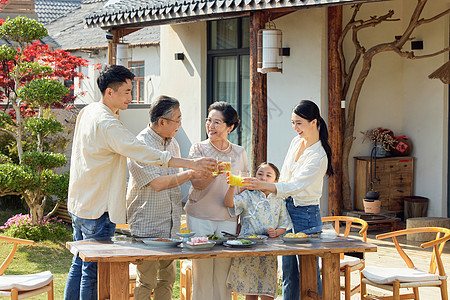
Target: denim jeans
(305,219)
(82,278)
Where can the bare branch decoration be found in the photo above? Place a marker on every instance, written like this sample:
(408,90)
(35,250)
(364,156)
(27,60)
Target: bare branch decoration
(365,57)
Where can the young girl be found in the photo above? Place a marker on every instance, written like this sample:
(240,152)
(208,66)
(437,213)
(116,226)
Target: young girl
(261,213)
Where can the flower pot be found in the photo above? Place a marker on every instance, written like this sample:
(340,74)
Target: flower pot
(372,206)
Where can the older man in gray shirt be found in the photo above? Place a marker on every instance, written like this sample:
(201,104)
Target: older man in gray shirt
(154,198)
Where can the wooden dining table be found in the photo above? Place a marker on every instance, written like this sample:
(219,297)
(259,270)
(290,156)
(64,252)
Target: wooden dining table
(113,258)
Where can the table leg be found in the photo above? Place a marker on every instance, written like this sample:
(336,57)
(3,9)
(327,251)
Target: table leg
(330,276)
(308,276)
(119,281)
(103,280)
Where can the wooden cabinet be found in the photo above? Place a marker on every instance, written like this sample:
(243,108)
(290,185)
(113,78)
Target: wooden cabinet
(393,179)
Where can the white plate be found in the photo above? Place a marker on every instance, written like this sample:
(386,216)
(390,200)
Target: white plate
(153,243)
(295,240)
(227,244)
(204,246)
(261,239)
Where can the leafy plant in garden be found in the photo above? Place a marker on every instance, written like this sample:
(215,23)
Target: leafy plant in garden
(21,226)
(30,83)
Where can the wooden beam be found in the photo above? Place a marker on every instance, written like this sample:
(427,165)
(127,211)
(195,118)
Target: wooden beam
(258,95)
(112,46)
(276,13)
(335,112)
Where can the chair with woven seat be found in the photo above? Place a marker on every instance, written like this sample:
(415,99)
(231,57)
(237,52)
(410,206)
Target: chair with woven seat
(394,279)
(349,264)
(23,286)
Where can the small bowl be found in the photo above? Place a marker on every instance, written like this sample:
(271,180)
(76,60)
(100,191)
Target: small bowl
(186,235)
(203,246)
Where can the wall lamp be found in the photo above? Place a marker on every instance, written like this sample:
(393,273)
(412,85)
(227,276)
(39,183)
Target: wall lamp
(179,56)
(109,36)
(416,45)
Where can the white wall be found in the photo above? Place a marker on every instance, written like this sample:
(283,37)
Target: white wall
(398,95)
(88,91)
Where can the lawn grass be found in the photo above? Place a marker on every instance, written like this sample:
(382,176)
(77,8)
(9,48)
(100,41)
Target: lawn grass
(50,256)
(40,257)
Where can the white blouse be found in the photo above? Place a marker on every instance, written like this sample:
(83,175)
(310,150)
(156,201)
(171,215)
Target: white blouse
(303,179)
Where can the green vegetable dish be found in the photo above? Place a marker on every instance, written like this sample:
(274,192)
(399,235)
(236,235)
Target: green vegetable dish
(245,242)
(213,237)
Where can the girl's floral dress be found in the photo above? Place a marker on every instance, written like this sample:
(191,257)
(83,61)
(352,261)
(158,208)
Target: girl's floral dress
(257,275)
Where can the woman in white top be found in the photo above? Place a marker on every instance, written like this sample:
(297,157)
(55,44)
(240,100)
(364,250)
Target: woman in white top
(306,163)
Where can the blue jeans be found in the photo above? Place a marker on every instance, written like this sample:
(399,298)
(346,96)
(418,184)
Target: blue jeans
(305,219)
(82,278)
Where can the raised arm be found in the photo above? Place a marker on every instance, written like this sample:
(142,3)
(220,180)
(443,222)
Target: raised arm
(205,164)
(229,197)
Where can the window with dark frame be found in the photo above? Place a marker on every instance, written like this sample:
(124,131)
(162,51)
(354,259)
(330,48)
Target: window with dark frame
(229,71)
(138,92)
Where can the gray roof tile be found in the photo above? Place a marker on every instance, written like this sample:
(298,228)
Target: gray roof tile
(70,32)
(48,10)
(125,12)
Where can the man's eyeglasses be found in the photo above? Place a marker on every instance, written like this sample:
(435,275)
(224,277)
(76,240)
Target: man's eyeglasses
(215,122)
(177,121)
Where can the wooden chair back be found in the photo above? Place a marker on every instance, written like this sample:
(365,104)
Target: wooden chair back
(442,236)
(10,256)
(349,223)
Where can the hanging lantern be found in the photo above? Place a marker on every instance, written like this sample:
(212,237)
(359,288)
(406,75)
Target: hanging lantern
(122,55)
(270,51)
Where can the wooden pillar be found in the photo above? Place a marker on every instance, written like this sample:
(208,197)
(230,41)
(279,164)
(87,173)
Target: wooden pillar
(335,112)
(112,47)
(258,95)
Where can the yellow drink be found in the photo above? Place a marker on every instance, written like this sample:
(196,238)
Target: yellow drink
(226,166)
(235,180)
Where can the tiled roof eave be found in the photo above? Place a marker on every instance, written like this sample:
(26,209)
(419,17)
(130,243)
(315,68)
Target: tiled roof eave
(176,16)
(189,12)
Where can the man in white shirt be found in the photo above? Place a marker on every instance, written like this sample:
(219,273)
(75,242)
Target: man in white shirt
(97,186)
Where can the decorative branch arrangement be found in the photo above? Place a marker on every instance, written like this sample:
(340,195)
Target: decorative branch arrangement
(385,137)
(366,55)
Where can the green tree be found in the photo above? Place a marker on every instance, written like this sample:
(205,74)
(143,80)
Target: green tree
(30,88)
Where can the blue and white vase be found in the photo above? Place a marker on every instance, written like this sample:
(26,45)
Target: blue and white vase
(379,150)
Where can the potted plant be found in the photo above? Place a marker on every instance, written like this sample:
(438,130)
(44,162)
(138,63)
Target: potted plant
(383,140)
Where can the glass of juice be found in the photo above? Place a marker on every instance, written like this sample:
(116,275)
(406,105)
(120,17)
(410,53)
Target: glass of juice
(226,164)
(216,170)
(237,180)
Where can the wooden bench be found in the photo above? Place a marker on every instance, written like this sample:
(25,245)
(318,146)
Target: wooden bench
(61,212)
